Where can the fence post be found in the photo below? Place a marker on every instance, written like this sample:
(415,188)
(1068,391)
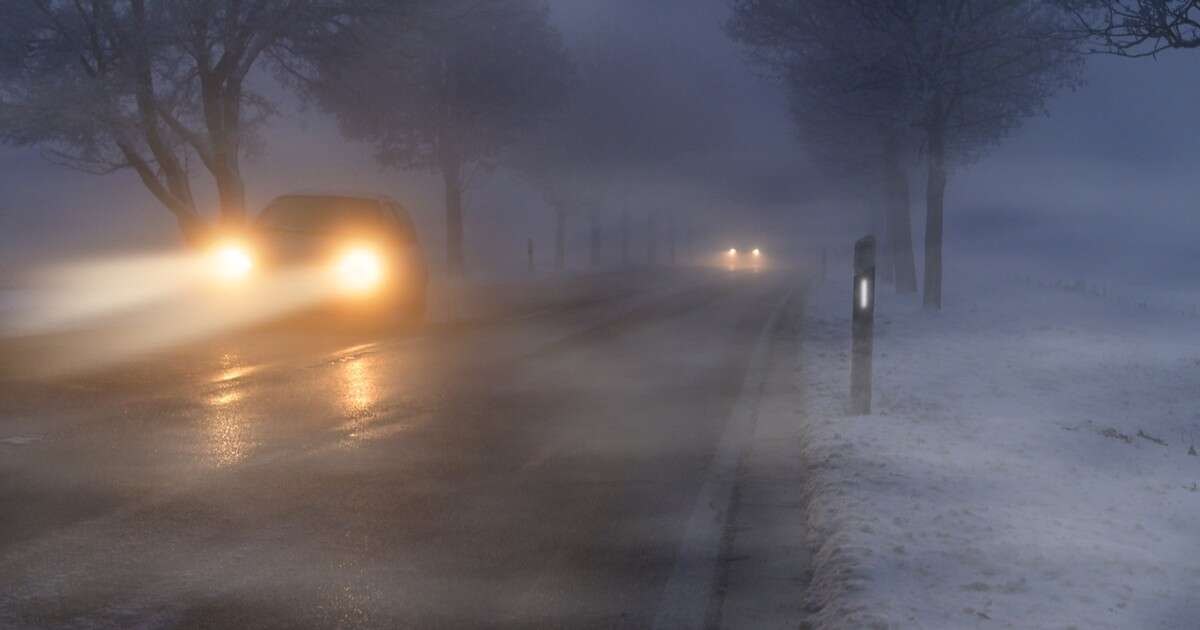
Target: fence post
(862,325)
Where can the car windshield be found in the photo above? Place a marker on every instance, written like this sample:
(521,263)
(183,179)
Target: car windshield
(321,214)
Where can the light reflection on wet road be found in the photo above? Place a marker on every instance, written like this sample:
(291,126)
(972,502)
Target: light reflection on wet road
(530,473)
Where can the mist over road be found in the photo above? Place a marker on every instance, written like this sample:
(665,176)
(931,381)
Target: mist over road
(533,470)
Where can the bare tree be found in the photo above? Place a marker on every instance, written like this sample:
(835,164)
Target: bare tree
(79,79)
(219,43)
(106,85)
(451,94)
(1138,28)
(978,68)
(849,100)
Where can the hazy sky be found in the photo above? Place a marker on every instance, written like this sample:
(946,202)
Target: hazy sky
(1107,180)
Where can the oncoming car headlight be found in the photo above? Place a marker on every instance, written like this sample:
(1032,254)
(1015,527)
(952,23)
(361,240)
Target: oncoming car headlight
(359,270)
(231,262)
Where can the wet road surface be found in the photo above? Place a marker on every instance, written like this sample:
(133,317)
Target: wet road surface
(532,471)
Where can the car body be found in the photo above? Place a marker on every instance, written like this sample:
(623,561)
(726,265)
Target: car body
(361,253)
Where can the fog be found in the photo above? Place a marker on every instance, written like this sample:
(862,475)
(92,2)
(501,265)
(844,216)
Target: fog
(657,386)
(1097,188)
(1101,183)
(753,169)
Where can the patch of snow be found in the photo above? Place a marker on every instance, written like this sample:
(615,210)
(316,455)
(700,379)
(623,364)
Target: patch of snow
(1030,463)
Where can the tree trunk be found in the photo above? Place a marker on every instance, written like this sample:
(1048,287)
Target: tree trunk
(231,195)
(671,238)
(935,196)
(651,240)
(193,228)
(220,106)
(451,176)
(899,218)
(231,191)
(625,239)
(885,263)
(560,239)
(595,237)
(164,176)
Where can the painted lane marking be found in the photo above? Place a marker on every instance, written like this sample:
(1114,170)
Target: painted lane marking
(20,440)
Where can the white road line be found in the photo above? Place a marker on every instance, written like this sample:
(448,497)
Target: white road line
(20,440)
(685,602)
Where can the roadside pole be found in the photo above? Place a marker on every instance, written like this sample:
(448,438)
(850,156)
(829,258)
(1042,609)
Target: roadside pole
(862,325)
(529,254)
(651,240)
(671,243)
(595,240)
(625,238)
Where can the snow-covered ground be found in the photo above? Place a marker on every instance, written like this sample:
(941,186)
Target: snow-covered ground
(1029,462)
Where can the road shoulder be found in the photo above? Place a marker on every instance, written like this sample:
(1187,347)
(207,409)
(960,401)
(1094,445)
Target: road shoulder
(765,554)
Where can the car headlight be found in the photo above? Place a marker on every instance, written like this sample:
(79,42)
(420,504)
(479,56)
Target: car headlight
(359,270)
(732,251)
(756,252)
(231,262)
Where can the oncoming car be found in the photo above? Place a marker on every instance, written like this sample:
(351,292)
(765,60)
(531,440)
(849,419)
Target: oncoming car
(357,254)
(745,257)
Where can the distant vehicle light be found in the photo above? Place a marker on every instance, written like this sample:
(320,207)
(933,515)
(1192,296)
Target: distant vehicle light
(756,252)
(232,262)
(733,251)
(360,270)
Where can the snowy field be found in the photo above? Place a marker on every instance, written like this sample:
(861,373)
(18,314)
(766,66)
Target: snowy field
(1029,463)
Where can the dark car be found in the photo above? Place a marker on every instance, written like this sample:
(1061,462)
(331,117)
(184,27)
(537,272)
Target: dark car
(357,254)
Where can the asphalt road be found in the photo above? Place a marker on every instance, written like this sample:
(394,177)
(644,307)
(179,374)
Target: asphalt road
(516,471)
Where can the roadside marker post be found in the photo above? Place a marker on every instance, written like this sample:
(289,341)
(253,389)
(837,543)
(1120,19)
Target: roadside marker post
(625,238)
(862,326)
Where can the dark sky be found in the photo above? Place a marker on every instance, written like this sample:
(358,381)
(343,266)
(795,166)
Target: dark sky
(1106,180)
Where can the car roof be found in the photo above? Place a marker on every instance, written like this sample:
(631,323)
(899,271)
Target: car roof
(343,193)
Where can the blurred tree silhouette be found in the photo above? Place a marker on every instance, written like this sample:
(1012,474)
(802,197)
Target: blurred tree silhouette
(962,73)
(448,90)
(105,85)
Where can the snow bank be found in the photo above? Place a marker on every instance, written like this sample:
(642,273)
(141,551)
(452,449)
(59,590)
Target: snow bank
(1028,463)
